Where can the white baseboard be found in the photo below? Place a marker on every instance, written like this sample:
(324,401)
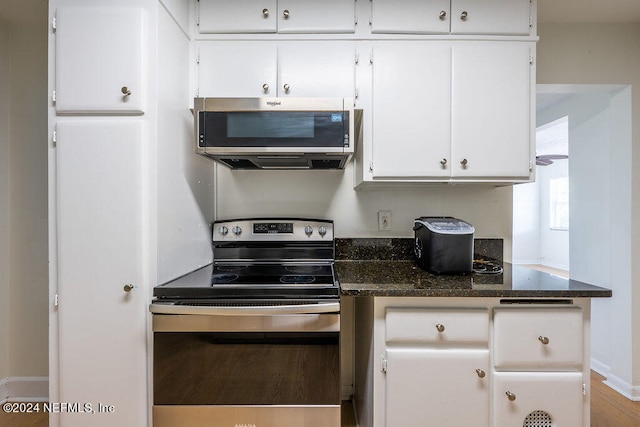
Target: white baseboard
(624,388)
(599,367)
(629,391)
(24,389)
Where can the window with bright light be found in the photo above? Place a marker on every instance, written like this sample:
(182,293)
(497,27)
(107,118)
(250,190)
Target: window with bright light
(559,203)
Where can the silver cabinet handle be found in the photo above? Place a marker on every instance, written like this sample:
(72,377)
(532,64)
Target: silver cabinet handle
(443,15)
(464,163)
(443,162)
(510,396)
(128,287)
(440,327)
(265,88)
(285,13)
(125,91)
(286,87)
(481,373)
(265,13)
(543,340)
(464,15)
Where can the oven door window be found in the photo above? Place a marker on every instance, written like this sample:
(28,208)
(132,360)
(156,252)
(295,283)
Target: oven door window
(246,368)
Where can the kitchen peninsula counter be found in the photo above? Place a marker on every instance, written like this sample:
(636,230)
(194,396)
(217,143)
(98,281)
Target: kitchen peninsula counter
(403,278)
(385,268)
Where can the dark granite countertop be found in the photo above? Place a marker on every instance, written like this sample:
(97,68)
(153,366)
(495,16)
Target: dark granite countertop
(385,267)
(385,278)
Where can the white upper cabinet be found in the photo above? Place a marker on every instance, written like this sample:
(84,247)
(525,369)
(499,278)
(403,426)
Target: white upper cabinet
(270,16)
(492,17)
(99,60)
(491,110)
(233,16)
(313,16)
(499,17)
(320,69)
(411,110)
(254,69)
(410,16)
(451,111)
(243,69)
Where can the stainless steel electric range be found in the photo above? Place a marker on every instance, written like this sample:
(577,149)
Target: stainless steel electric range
(253,338)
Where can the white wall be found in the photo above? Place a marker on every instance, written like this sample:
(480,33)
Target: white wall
(554,244)
(330,194)
(526,223)
(184,179)
(608,54)
(5,63)
(533,240)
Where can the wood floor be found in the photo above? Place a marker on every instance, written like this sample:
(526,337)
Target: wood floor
(608,409)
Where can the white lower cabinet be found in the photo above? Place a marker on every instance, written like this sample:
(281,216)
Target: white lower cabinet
(537,399)
(429,386)
(450,362)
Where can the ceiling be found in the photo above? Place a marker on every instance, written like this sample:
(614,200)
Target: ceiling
(549,11)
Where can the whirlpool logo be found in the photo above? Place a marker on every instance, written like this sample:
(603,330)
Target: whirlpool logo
(273,104)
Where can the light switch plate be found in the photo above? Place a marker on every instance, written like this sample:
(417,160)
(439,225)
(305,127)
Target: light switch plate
(384,220)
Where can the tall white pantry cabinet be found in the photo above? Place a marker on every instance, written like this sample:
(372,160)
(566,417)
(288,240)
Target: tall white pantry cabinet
(129,201)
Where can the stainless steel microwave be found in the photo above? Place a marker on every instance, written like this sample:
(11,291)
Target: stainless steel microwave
(276,133)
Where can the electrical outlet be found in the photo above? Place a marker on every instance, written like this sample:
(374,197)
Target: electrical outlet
(384,220)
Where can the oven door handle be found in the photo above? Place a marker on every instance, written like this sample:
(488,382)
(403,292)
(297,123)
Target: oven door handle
(329,307)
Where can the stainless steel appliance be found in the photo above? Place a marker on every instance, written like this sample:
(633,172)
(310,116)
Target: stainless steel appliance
(276,133)
(252,339)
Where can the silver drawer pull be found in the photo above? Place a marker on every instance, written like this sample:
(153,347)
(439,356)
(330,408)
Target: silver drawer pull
(511,396)
(439,327)
(481,373)
(543,340)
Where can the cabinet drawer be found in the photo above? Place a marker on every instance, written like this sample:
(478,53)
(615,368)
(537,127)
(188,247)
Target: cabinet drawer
(538,338)
(520,398)
(437,326)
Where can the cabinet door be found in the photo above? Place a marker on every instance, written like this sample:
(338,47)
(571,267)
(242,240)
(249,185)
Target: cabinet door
(99,60)
(102,329)
(429,387)
(537,399)
(312,16)
(232,16)
(491,110)
(408,16)
(317,69)
(237,69)
(411,110)
(541,338)
(500,17)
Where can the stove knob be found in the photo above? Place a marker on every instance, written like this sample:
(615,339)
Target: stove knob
(322,230)
(308,230)
(237,230)
(223,230)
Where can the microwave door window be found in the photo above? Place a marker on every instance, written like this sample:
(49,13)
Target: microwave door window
(270,125)
(273,129)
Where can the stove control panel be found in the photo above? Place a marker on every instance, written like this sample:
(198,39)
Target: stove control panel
(273,230)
